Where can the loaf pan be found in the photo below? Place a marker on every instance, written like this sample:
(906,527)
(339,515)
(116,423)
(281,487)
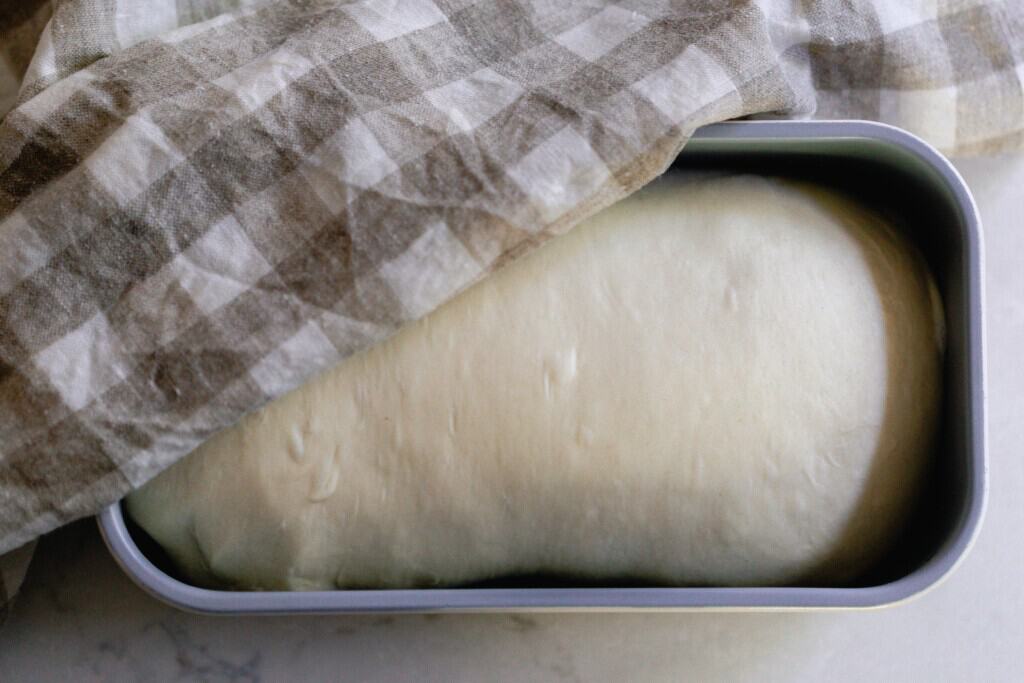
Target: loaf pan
(884,167)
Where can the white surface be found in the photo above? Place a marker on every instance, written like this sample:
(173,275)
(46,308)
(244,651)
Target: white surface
(80,619)
(659,393)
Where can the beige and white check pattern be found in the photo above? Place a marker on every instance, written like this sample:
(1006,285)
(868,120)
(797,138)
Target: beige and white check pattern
(199,210)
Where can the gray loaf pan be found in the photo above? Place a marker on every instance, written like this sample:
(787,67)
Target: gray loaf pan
(883,167)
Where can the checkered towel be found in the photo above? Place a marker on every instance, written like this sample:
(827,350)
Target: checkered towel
(199,210)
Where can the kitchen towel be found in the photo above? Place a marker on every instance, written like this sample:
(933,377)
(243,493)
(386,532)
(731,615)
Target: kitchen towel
(205,202)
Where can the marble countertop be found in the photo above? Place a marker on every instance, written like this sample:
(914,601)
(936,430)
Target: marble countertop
(80,619)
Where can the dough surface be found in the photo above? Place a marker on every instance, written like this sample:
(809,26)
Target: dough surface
(731,381)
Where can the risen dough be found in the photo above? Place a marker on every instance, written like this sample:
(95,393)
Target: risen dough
(731,381)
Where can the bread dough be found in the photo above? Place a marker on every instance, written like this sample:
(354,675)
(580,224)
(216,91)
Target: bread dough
(728,381)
